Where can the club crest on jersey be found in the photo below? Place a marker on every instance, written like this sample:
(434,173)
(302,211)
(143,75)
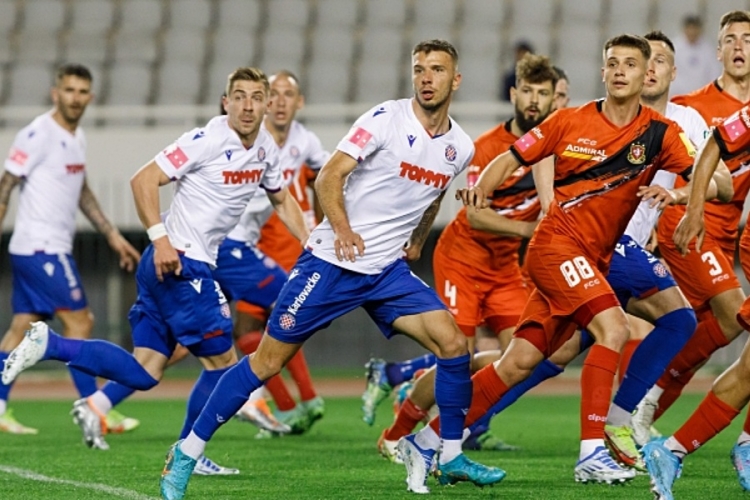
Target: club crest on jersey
(660,271)
(450,152)
(261,154)
(637,154)
(287,321)
(294,151)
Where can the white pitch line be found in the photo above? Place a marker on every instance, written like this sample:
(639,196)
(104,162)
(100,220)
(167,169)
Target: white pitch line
(33,476)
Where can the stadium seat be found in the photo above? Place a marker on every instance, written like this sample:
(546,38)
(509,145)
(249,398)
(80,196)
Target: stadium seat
(239,13)
(580,56)
(232,47)
(424,32)
(8,18)
(333,45)
(479,63)
(92,15)
(581,13)
(135,46)
(190,15)
(714,10)
(490,15)
(435,13)
(532,21)
(136,41)
(628,17)
(141,15)
(179,82)
(327,82)
(337,13)
(87,39)
(44,15)
(129,83)
(30,85)
(185,46)
(380,64)
(37,47)
(283,48)
(671,24)
(386,14)
(288,14)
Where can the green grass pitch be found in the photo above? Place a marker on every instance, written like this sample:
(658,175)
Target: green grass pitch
(336,460)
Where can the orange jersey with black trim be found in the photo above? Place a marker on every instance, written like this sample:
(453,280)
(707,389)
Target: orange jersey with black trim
(598,170)
(722,219)
(275,239)
(516,199)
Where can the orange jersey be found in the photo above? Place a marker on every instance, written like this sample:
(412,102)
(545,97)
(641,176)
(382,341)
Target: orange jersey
(598,170)
(722,219)
(275,239)
(516,199)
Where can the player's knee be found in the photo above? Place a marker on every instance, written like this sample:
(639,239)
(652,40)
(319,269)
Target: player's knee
(615,336)
(265,366)
(452,346)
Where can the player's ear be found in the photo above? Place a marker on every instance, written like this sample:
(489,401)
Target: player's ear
(513,92)
(53,94)
(300,102)
(456,81)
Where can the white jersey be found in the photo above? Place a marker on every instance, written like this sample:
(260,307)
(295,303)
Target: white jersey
(215,178)
(401,171)
(51,161)
(644,219)
(302,147)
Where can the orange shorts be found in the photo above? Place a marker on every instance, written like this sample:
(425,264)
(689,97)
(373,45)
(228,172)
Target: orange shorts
(745,251)
(702,276)
(475,297)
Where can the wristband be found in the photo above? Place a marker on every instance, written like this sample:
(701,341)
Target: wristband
(156,231)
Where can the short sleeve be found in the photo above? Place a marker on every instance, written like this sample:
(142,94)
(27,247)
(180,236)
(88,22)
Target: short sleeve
(697,129)
(368,133)
(733,134)
(28,150)
(539,142)
(317,156)
(184,155)
(273,176)
(677,152)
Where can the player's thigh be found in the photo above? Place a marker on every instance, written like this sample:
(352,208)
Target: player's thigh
(220,360)
(77,324)
(727,307)
(655,306)
(568,351)
(18,326)
(154,362)
(435,330)
(610,328)
(639,328)
(271,356)
(539,327)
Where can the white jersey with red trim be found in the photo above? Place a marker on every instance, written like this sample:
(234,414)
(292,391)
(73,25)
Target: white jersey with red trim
(644,219)
(51,161)
(215,177)
(302,147)
(401,171)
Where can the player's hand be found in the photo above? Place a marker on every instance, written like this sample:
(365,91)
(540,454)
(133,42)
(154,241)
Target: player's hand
(347,243)
(412,252)
(690,226)
(658,195)
(474,197)
(653,241)
(129,256)
(166,259)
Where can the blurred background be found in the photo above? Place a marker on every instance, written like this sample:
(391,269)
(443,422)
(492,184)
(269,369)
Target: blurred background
(160,67)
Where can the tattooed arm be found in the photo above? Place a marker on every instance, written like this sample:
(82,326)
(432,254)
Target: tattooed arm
(89,205)
(7,183)
(419,235)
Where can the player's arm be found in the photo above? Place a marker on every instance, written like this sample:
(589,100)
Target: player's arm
(145,186)
(495,174)
(492,222)
(330,189)
(290,213)
(419,235)
(7,183)
(720,187)
(544,180)
(89,205)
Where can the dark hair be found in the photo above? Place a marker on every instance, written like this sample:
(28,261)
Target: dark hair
(247,74)
(734,16)
(533,68)
(633,41)
(71,69)
(524,46)
(658,36)
(692,20)
(436,46)
(561,74)
(222,111)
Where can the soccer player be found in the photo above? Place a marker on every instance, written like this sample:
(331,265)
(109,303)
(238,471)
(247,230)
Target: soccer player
(731,390)
(606,150)
(562,90)
(707,278)
(216,168)
(396,162)
(48,162)
(476,260)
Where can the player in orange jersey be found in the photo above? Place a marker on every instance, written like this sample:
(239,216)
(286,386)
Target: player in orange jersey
(707,278)
(606,150)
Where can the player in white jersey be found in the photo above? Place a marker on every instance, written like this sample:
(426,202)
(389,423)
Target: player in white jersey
(48,162)
(380,192)
(216,170)
(254,277)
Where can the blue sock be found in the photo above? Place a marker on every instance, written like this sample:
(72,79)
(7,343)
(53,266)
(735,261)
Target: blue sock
(453,388)
(670,334)
(4,389)
(544,370)
(587,340)
(100,359)
(202,389)
(117,393)
(230,393)
(398,373)
(85,383)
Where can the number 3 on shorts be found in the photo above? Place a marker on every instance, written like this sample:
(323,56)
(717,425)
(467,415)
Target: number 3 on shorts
(710,259)
(576,270)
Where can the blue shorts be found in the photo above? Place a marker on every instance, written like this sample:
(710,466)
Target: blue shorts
(190,309)
(636,273)
(246,273)
(318,292)
(44,283)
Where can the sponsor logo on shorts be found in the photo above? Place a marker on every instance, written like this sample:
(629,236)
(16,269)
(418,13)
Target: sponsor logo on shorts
(49,268)
(68,270)
(293,274)
(236,253)
(196,284)
(76,294)
(225,311)
(287,321)
(597,418)
(660,270)
(302,297)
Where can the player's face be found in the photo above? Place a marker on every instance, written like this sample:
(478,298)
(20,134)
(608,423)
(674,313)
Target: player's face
(661,70)
(434,77)
(286,100)
(562,97)
(624,71)
(245,105)
(734,49)
(533,102)
(71,96)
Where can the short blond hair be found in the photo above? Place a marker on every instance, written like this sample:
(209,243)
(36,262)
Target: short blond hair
(247,74)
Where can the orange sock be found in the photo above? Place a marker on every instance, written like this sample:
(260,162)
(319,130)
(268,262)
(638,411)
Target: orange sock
(597,377)
(672,392)
(280,394)
(488,388)
(248,342)
(297,367)
(409,415)
(625,355)
(707,338)
(711,417)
